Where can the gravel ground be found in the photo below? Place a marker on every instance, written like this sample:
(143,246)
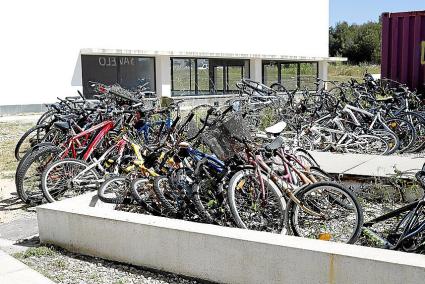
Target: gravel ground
(68,268)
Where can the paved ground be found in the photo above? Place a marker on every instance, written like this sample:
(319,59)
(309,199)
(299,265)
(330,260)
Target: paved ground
(17,220)
(14,271)
(368,165)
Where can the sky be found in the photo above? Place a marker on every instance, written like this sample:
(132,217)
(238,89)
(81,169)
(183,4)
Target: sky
(361,11)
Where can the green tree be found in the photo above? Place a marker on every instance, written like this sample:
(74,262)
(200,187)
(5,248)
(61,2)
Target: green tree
(359,43)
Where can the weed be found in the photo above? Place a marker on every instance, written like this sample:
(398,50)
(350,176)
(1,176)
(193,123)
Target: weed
(60,263)
(35,252)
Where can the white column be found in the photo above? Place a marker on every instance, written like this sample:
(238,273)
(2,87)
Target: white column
(163,75)
(323,70)
(255,69)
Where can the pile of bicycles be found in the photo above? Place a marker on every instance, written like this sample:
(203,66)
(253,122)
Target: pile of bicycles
(218,165)
(373,117)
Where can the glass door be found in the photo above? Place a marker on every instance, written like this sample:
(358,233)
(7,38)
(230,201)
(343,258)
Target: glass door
(225,73)
(234,74)
(218,79)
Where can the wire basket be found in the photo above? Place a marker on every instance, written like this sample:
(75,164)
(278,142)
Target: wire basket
(219,138)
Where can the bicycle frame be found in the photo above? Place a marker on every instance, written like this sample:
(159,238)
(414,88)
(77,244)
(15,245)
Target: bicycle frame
(104,127)
(376,117)
(341,142)
(145,127)
(120,145)
(407,222)
(260,166)
(212,161)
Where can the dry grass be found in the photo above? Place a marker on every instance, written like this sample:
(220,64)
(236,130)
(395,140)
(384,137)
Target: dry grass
(343,72)
(10,132)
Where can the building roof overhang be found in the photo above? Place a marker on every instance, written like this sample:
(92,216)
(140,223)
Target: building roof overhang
(97,51)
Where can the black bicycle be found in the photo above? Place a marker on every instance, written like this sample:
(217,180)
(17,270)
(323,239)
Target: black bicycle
(409,233)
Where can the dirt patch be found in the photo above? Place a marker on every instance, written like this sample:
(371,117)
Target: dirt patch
(11,207)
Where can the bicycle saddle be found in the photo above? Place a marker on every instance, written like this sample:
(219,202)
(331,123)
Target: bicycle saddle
(66,117)
(276,144)
(62,125)
(277,128)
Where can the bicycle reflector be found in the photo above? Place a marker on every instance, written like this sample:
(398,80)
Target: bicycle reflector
(240,184)
(325,236)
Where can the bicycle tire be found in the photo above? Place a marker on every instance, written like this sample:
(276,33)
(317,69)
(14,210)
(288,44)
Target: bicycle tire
(34,194)
(23,160)
(165,198)
(52,195)
(365,140)
(303,154)
(404,130)
(19,150)
(418,121)
(391,138)
(148,199)
(218,207)
(45,116)
(108,195)
(293,210)
(319,174)
(271,187)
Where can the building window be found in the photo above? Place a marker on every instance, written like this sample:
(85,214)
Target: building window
(292,75)
(183,76)
(308,75)
(202,76)
(128,71)
(271,73)
(289,77)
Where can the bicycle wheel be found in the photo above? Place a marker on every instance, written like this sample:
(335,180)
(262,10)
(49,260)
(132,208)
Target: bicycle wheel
(391,138)
(368,144)
(59,179)
(305,158)
(418,121)
(114,190)
(31,151)
(55,136)
(404,130)
(143,192)
(28,175)
(318,174)
(46,117)
(338,216)
(210,201)
(29,139)
(253,209)
(169,197)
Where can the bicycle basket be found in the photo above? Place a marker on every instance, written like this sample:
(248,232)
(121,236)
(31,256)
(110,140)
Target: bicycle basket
(219,137)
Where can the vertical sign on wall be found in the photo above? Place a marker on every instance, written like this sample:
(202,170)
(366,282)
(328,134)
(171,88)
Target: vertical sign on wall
(423,53)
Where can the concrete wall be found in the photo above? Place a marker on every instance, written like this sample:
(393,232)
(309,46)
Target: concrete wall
(41,40)
(209,252)
(25,108)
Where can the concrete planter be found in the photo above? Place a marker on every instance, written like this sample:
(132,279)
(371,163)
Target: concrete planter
(214,253)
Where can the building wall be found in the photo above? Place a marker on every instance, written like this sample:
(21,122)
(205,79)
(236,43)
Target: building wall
(41,40)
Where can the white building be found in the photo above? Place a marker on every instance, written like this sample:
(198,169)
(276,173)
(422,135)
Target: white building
(187,48)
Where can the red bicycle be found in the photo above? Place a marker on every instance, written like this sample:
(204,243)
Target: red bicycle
(82,145)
